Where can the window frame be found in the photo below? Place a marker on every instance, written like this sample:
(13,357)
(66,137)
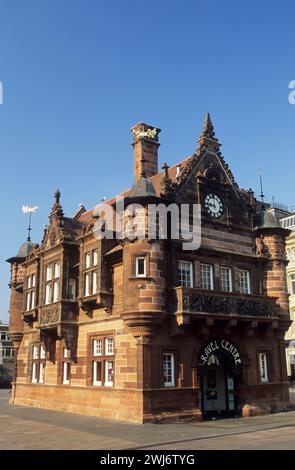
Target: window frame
(66,367)
(51,282)
(171,382)
(211,276)
(264,370)
(102,356)
(230,279)
(241,270)
(30,292)
(138,258)
(191,273)
(90,272)
(38,363)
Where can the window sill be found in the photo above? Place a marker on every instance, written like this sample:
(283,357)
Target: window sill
(140,278)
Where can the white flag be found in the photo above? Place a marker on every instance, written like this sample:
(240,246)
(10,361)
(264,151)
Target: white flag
(28,209)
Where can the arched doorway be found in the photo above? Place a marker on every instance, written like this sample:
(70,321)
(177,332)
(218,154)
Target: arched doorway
(219,367)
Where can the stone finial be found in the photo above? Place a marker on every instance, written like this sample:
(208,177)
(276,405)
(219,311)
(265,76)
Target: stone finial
(207,137)
(57,208)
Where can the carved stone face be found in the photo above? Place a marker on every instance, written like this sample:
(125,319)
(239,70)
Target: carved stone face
(213,205)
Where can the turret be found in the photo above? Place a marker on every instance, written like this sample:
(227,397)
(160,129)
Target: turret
(270,241)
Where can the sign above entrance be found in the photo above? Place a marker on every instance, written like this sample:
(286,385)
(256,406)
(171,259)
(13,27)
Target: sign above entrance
(219,345)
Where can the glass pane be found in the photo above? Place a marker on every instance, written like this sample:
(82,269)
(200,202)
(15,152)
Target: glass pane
(48,275)
(140,266)
(41,373)
(57,269)
(28,302)
(109,373)
(35,351)
(48,293)
(95,258)
(88,260)
(72,289)
(97,372)
(42,352)
(33,299)
(109,345)
(185,273)
(55,291)
(97,347)
(87,284)
(94,282)
(206,276)
(33,280)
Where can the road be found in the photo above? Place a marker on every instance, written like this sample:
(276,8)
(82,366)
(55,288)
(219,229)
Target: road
(34,428)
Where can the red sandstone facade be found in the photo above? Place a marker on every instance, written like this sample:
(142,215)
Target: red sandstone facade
(143,330)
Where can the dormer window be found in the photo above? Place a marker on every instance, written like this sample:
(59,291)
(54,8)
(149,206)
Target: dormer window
(90,273)
(31,292)
(52,282)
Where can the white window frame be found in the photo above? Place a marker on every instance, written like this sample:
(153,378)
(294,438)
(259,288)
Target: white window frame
(230,278)
(94,372)
(292,284)
(263,359)
(97,351)
(170,383)
(137,259)
(248,281)
(109,347)
(66,368)
(35,372)
(41,372)
(108,383)
(210,266)
(87,284)
(191,275)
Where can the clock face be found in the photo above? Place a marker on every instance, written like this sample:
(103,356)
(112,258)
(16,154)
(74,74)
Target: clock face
(213,205)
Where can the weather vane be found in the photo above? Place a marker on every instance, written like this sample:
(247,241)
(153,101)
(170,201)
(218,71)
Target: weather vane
(29,210)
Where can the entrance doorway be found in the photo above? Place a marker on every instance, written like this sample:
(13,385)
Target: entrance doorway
(218,373)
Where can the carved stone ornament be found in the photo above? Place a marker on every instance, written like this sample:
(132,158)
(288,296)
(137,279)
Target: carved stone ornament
(49,316)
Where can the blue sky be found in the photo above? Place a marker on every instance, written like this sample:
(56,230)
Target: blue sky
(77,74)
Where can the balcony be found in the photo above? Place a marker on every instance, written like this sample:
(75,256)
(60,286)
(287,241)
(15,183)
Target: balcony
(59,321)
(51,315)
(194,303)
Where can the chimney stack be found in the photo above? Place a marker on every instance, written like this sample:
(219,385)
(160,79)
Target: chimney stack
(145,144)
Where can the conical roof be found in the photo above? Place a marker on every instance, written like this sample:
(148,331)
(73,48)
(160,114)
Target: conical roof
(142,187)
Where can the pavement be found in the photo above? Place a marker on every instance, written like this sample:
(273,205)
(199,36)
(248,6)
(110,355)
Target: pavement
(34,428)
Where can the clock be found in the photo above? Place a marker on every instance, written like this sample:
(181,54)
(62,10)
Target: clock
(213,205)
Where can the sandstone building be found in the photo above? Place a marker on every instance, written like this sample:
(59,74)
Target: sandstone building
(144,330)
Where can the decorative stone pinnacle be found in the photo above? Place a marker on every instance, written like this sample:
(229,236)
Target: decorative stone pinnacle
(57,196)
(57,208)
(208,135)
